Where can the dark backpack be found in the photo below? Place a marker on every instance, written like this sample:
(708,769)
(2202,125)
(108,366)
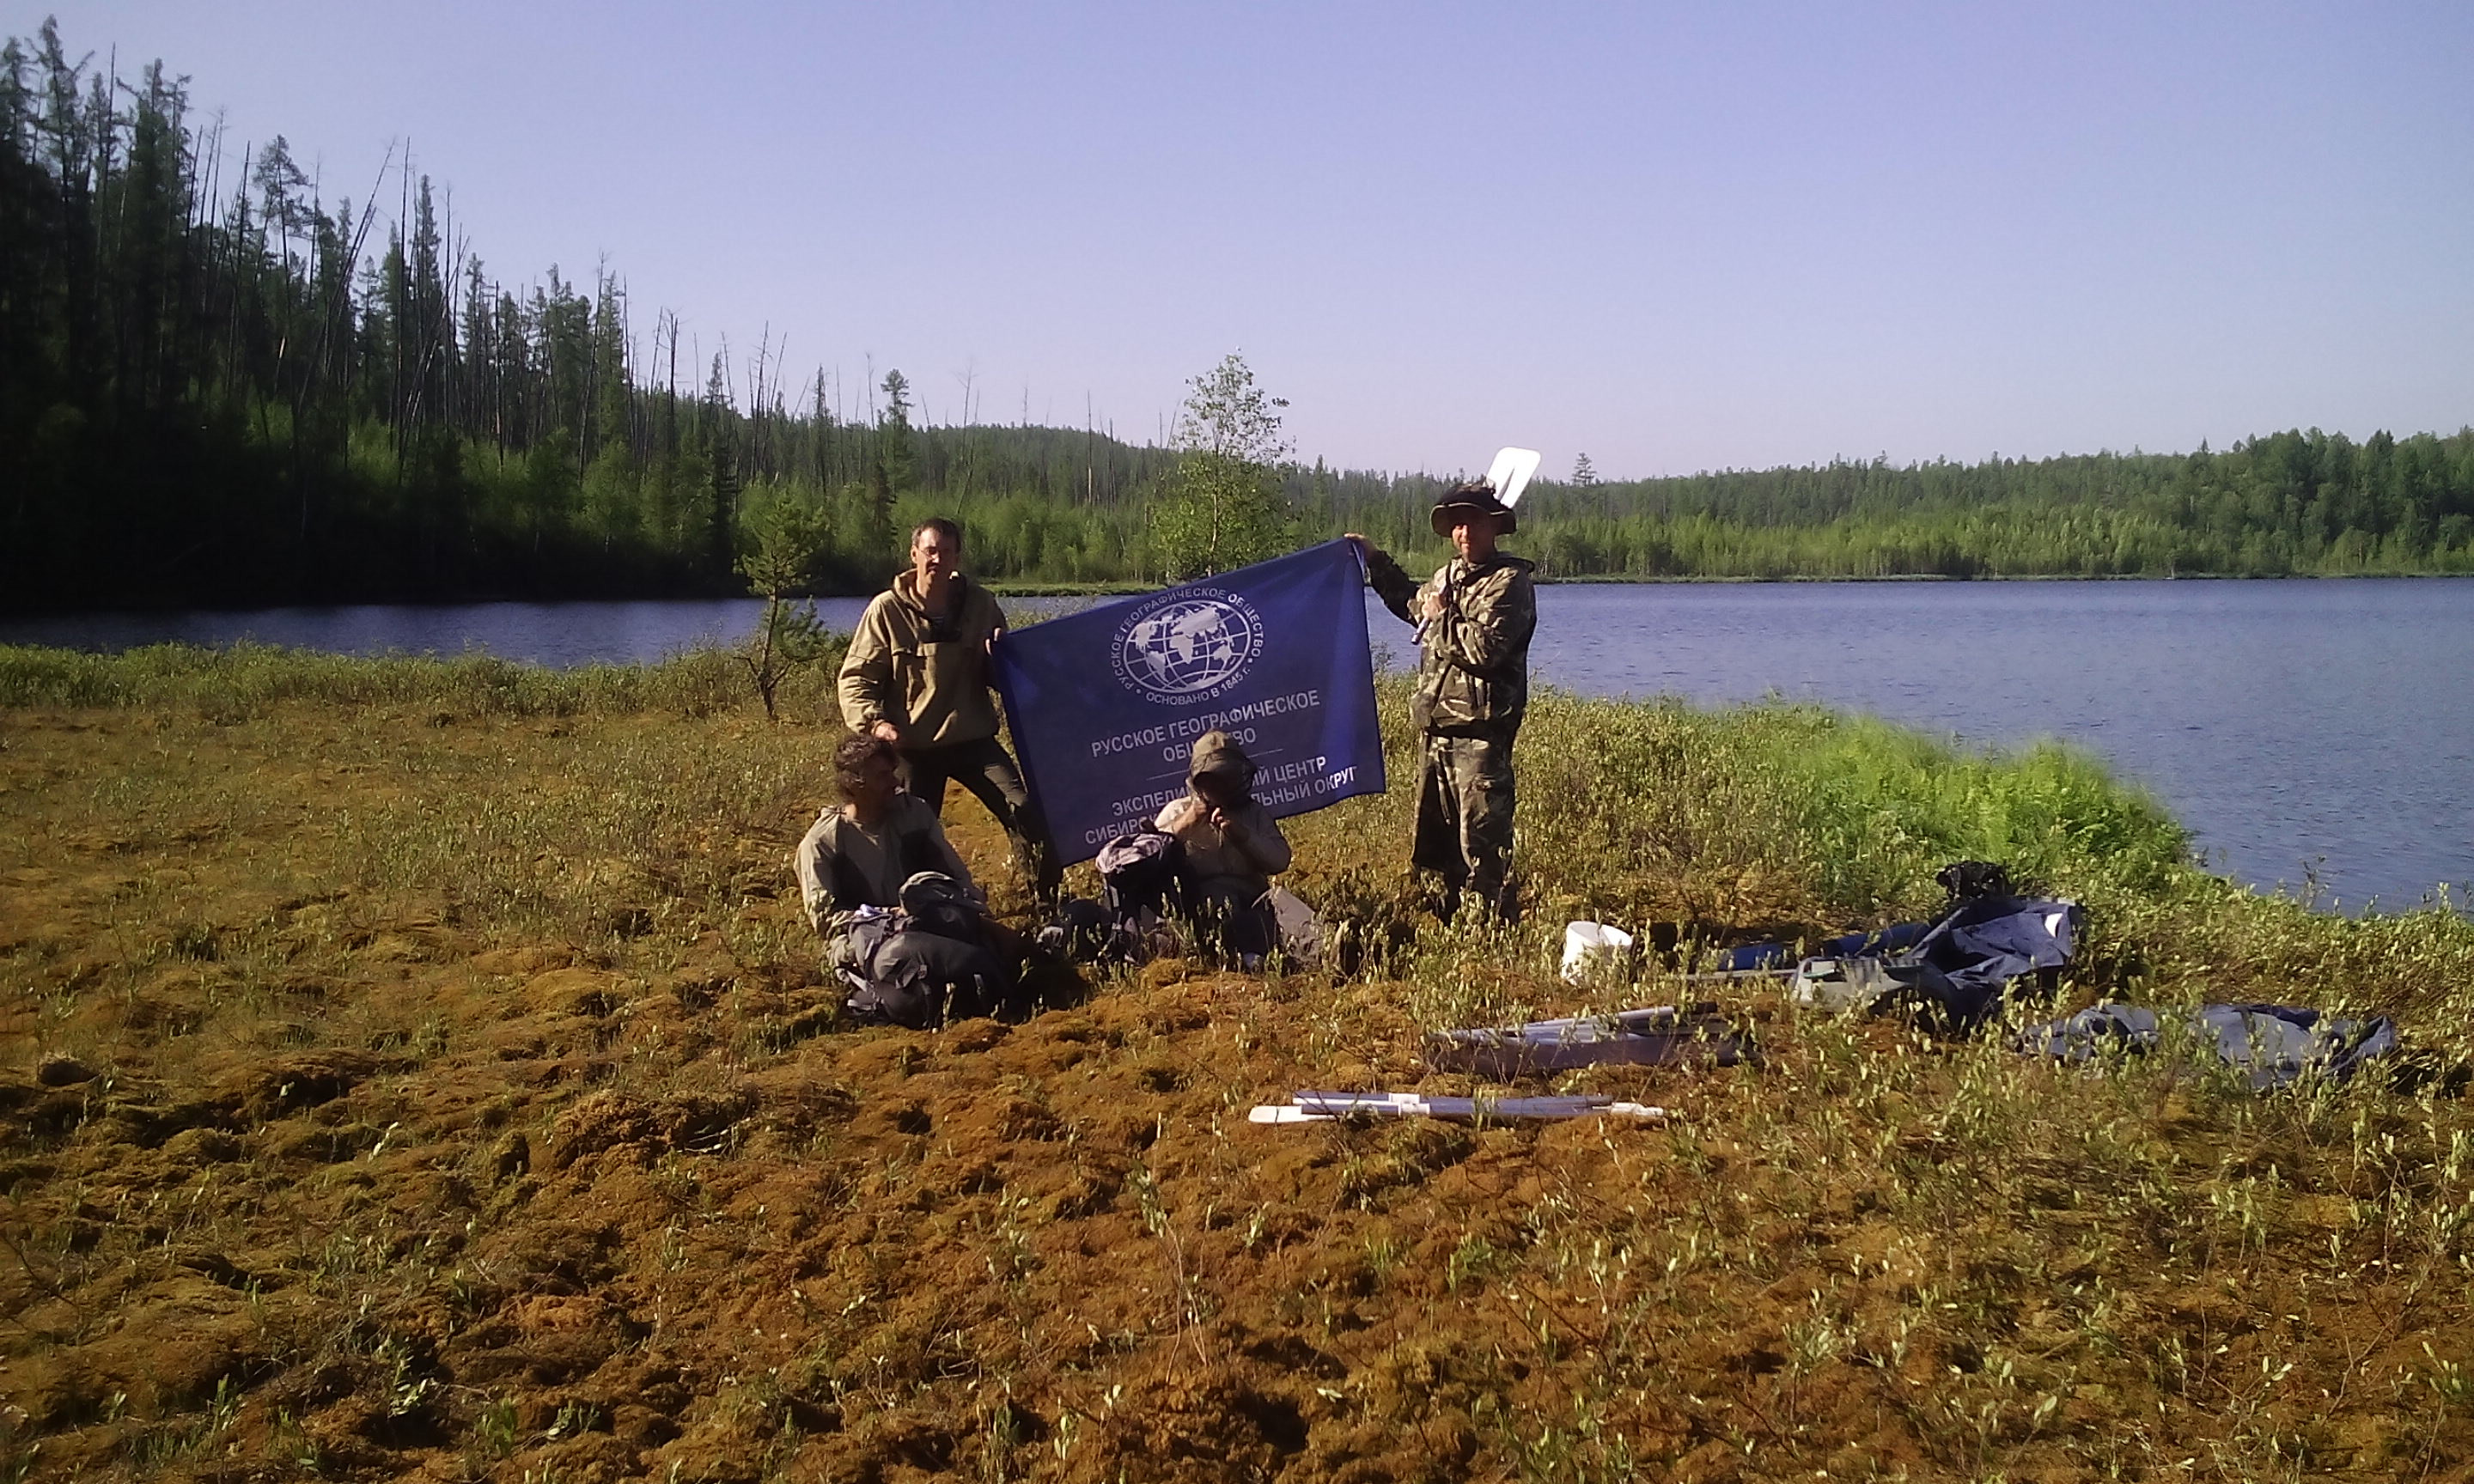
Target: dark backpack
(937,903)
(916,978)
(861,961)
(1966,880)
(1080,932)
(1142,871)
(924,964)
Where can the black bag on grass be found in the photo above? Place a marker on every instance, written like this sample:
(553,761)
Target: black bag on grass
(937,903)
(1142,871)
(1966,880)
(1082,931)
(924,964)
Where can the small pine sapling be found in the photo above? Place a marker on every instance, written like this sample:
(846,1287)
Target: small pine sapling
(791,534)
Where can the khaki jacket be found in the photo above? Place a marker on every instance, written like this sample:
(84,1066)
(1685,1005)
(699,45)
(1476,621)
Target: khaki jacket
(1210,855)
(843,868)
(929,679)
(1473,661)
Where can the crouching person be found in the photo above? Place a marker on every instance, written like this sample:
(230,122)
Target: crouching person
(1233,848)
(903,924)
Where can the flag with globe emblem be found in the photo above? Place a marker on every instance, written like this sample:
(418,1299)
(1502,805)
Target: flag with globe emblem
(1189,646)
(1105,703)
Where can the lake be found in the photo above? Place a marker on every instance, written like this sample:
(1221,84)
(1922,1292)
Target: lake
(2307,730)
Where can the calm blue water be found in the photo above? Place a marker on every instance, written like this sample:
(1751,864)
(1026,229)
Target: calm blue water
(2320,727)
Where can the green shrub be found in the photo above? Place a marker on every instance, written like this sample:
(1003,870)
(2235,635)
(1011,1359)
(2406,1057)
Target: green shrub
(243,679)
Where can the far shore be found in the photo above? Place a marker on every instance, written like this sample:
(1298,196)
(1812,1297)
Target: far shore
(1005,587)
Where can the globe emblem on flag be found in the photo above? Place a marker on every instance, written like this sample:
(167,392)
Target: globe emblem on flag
(1188,648)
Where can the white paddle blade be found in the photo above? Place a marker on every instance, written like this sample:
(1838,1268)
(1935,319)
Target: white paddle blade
(1509,473)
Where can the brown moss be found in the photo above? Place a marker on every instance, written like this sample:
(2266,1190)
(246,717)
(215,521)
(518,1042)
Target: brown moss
(458,1110)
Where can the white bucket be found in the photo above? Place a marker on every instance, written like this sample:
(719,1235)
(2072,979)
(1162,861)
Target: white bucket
(1594,950)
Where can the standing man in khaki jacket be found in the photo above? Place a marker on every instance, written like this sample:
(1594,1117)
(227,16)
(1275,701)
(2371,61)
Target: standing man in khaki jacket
(1474,619)
(917,676)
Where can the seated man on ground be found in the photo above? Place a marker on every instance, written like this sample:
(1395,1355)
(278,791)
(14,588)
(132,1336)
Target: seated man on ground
(895,904)
(1233,848)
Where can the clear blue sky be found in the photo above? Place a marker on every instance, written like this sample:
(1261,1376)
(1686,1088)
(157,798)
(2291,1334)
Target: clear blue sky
(1675,237)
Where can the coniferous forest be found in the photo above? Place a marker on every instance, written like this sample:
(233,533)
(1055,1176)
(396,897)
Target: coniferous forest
(218,385)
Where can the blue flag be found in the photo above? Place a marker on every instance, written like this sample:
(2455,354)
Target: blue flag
(1105,703)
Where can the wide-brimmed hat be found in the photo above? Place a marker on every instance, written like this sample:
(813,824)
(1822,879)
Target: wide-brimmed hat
(1475,496)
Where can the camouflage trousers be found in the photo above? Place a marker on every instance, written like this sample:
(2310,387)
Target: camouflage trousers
(1465,798)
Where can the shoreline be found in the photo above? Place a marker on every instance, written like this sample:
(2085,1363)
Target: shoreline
(1118,590)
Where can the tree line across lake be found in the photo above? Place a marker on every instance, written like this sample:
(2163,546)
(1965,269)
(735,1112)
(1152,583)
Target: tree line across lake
(217,386)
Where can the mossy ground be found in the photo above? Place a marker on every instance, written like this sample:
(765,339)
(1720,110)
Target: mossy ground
(468,1102)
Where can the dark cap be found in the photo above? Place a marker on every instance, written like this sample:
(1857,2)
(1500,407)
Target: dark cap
(1478,496)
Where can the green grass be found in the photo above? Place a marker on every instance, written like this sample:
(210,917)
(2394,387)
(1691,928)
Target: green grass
(246,680)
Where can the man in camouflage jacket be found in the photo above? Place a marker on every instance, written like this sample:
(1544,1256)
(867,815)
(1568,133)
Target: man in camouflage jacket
(1474,619)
